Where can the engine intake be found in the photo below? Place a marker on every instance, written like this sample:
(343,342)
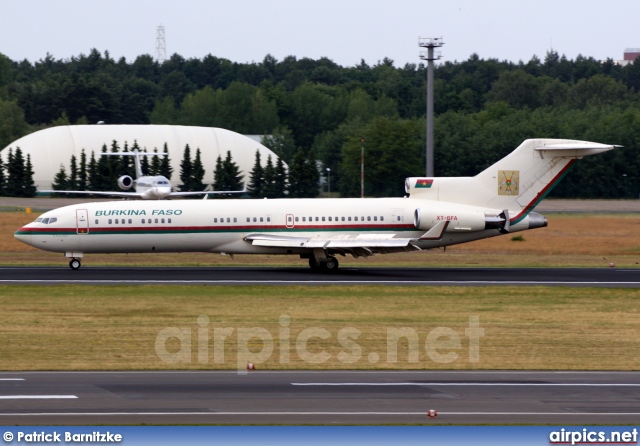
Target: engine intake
(125,182)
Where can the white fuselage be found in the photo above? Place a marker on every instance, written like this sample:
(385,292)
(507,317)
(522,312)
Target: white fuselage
(223,225)
(153,188)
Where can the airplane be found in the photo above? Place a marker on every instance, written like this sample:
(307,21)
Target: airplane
(435,213)
(146,187)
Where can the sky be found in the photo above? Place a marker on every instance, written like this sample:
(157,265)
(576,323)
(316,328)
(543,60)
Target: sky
(345,31)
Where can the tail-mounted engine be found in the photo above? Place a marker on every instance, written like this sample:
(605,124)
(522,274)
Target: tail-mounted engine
(460,220)
(125,182)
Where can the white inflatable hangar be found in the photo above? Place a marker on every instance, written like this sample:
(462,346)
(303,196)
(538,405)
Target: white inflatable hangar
(54,146)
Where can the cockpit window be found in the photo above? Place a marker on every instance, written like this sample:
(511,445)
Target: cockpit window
(45,221)
(38,220)
(53,220)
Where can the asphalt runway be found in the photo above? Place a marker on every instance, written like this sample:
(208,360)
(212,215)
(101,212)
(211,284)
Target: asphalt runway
(88,275)
(329,397)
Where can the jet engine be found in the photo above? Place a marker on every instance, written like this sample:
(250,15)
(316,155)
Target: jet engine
(125,182)
(459,220)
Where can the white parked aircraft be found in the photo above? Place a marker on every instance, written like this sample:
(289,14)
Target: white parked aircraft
(436,212)
(146,187)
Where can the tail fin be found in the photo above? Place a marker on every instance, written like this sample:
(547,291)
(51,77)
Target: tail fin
(518,182)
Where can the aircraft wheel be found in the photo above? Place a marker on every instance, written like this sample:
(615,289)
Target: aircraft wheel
(331,265)
(75,264)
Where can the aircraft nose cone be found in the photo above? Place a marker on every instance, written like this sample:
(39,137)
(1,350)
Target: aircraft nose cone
(24,235)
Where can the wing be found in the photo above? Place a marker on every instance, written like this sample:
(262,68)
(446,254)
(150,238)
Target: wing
(364,245)
(92,192)
(207,192)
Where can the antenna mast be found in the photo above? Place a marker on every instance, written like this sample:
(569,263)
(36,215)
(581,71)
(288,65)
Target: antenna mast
(161,47)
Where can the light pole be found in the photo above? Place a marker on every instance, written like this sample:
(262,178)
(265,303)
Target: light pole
(430,43)
(328,181)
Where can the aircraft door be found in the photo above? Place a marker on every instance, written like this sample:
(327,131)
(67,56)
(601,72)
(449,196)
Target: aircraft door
(398,216)
(82,221)
(290,223)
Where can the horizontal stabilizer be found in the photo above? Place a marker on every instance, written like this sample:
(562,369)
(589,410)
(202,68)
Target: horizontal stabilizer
(574,149)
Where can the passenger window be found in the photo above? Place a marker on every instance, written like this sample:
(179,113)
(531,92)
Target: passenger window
(317,219)
(248,219)
(329,218)
(304,218)
(255,219)
(235,219)
(143,221)
(116,221)
(342,218)
(355,218)
(381,218)
(398,217)
(297,219)
(261,219)
(375,218)
(110,221)
(156,220)
(268,219)
(349,218)
(169,220)
(228,220)
(129,221)
(368,218)
(322,218)
(96,221)
(162,221)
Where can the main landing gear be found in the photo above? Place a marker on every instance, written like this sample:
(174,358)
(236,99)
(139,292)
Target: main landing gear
(330,265)
(75,264)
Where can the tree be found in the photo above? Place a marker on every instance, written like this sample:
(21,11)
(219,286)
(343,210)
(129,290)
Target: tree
(296,175)
(2,178)
(28,186)
(280,181)
(104,179)
(186,170)
(73,176)
(20,175)
(154,168)
(93,182)
(60,181)
(165,163)
(82,174)
(232,173)
(226,176)
(144,164)
(311,178)
(256,178)
(15,173)
(197,173)
(268,188)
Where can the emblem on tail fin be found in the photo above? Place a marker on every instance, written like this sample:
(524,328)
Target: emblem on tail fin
(508,182)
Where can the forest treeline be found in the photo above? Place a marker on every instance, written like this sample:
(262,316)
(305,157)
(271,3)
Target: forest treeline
(484,109)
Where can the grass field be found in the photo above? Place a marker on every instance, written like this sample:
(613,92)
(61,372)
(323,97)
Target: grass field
(570,240)
(121,328)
